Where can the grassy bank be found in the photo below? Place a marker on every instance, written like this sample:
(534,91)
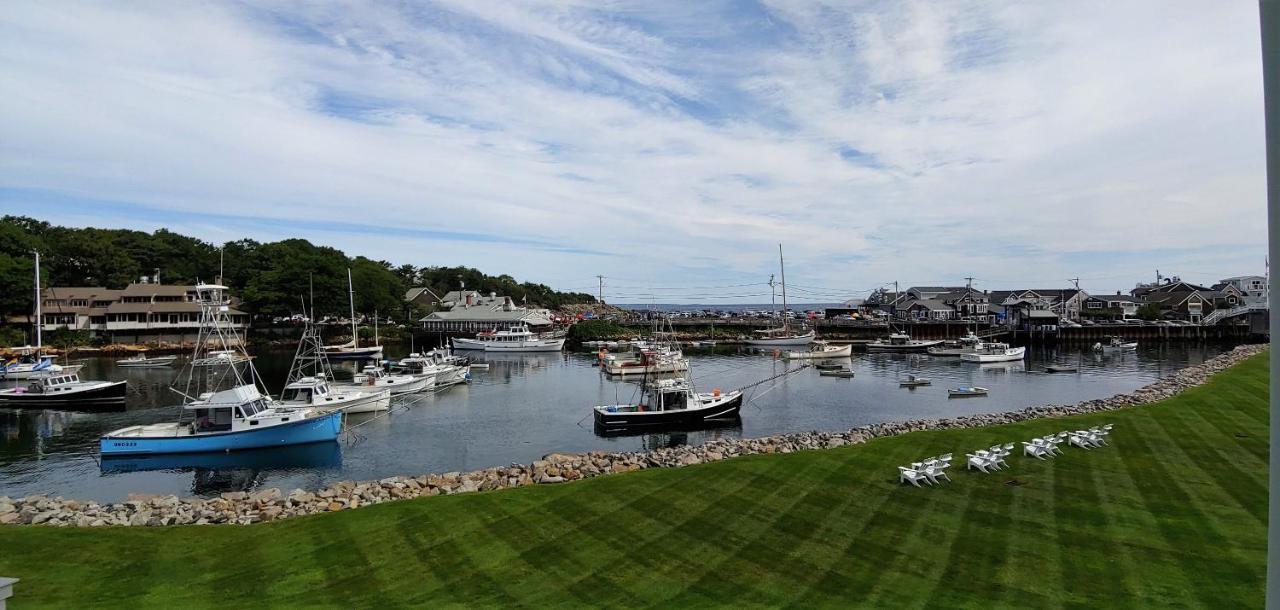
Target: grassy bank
(1174,513)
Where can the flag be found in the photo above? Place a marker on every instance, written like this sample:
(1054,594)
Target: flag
(44,364)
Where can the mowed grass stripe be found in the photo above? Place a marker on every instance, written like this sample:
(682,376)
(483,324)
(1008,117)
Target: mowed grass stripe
(1147,522)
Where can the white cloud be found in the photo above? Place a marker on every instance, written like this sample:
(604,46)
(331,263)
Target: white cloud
(687,138)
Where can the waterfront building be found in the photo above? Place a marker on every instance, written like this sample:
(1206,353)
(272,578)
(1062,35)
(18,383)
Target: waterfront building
(137,313)
(468,311)
(1114,306)
(1251,288)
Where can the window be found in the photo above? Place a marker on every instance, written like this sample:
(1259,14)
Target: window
(1094,305)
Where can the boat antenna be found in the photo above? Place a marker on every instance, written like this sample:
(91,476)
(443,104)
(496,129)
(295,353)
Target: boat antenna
(351,295)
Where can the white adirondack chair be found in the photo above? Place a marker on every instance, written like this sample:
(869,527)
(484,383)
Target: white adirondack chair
(933,472)
(912,476)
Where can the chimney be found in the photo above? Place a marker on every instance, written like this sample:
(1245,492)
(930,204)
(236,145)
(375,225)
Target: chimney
(1117,293)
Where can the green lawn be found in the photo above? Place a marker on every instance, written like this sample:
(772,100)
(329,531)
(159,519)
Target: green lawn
(1173,514)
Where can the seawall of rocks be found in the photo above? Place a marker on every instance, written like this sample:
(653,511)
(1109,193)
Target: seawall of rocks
(272,504)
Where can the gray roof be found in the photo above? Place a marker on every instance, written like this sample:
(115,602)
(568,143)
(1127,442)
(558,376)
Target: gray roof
(931,304)
(1040,313)
(532,317)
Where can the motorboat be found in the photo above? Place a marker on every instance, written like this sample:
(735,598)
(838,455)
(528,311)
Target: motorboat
(995,352)
(232,419)
(315,392)
(65,390)
(373,377)
(517,338)
(829,366)
(967,344)
(964,392)
(352,350)
(901,343)
(447,368)
(1115,344)
(142,361)
(670,403)
(224,407)
(914,382)
(1062,368)
(846,373)
(821,349)
(645,362)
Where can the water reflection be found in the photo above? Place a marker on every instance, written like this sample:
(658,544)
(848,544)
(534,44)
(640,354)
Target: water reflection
(527,405)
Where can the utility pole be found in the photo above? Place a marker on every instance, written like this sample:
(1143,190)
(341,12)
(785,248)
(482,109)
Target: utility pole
(1076,281)
(1269,15)
(600,295)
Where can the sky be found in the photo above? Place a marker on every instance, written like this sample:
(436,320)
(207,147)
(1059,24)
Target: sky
(668,146)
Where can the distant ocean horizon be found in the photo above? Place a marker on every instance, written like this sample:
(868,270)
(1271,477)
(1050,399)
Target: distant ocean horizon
(724,306)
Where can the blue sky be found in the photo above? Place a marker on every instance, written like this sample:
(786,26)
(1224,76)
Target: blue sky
(666,145)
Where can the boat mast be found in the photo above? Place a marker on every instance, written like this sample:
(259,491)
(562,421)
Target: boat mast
(351,296)
(39,319)
(786,322)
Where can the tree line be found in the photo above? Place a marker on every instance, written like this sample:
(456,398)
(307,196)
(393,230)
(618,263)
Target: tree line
(269,278)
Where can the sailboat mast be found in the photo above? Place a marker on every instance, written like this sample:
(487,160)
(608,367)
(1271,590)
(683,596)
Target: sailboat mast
(786,322)
(39,317)
(351,296)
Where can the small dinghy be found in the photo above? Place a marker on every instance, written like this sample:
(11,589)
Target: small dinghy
(836,373)
(829,366)
(1063,368)
(484,366)
(966,392)
(914,382)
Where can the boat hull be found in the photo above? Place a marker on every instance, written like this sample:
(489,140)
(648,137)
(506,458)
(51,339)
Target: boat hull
(532,345)
(660,368)
(311,430)
(107,395)
(1013,355)
(907,348)
(322,455)
(726,410)
(843,351)
(357,353)
(805,339)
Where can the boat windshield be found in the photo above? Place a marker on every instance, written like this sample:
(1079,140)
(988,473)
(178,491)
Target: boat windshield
(296,395)
(253,407)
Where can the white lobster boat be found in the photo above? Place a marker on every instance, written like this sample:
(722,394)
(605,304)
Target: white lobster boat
(821,349)
(995,352)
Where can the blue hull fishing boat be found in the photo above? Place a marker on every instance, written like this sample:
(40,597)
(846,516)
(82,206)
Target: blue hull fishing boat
(225,408)
(168,438)
(315,456)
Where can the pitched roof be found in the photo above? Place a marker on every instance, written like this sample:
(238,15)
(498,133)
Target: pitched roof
(158,290)
(533,317)
(931,304)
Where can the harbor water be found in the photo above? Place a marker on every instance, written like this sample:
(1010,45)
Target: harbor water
(527,405)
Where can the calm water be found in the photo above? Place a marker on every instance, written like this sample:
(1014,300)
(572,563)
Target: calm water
(525,406)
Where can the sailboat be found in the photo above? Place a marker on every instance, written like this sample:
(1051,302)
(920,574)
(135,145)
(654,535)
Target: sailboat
(31,363)
(308,382)
(782,336)
(225,407)
(351,350)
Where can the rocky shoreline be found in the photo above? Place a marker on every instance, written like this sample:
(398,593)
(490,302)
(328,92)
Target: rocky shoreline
(272,504)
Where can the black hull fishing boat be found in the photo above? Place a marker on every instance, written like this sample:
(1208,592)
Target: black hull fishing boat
(676,407)
(66,392)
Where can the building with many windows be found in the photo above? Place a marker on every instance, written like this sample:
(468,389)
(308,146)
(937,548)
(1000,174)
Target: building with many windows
(135,313)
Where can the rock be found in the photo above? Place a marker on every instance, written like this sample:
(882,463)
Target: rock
(8,518)
(550,479)
(6,508)
(266,495)
(234,496)
(333,506)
